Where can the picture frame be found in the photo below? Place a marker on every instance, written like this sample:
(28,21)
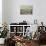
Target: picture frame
(26,10)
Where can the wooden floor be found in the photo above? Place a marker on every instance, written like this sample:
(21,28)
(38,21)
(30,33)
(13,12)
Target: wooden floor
(32,45)
(42,45)
(2,45)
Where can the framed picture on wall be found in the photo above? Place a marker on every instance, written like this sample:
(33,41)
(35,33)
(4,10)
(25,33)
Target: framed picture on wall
(26,10)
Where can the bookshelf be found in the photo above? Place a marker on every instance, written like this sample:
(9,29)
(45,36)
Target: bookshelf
(18,29)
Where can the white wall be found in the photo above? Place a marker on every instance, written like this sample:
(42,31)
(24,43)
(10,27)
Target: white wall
(12,11)
(4,11)
(0,13)
(15,16)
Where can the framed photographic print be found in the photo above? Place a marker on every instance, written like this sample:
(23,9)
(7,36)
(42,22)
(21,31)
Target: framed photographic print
(26,10)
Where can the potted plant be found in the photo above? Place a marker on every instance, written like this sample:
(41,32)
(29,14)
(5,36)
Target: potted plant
(3,34)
